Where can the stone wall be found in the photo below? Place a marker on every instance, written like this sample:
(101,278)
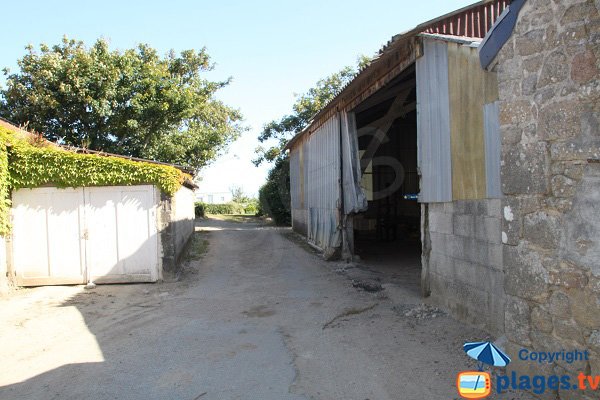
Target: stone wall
(549,89)
(463,257)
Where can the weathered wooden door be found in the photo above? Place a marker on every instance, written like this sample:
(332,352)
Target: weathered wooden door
(71,236)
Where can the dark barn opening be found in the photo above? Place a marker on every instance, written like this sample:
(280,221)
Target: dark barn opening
(388,235)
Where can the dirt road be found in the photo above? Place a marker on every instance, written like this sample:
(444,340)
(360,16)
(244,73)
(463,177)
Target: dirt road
(259,316)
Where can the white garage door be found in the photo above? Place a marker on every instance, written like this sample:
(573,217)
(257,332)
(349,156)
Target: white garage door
(101,234)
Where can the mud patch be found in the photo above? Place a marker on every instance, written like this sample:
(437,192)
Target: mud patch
(259,312)
(348,313)
(368,285)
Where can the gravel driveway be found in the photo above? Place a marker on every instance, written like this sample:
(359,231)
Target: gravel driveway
(259,316)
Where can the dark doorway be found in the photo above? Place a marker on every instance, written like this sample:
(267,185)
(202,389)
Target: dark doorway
(388,235)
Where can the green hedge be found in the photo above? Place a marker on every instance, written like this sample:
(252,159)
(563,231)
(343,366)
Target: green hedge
(29,165)
(202,209)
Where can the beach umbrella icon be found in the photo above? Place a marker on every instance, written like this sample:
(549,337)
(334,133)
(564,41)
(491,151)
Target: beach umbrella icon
(486,353)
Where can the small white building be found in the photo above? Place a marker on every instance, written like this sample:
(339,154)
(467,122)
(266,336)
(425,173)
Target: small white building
(213,197)
(101,234)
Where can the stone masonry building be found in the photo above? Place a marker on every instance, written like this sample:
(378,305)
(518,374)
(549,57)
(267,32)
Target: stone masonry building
(549,90)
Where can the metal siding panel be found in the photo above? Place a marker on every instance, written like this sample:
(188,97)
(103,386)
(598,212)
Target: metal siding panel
(295,179)
(433,123)
(322,185)
(355,199)
(493,148)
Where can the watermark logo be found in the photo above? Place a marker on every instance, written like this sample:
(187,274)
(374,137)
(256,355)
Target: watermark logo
(478,384)
(474,384)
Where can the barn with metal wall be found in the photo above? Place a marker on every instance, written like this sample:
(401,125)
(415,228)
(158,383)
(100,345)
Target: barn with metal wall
(402,168)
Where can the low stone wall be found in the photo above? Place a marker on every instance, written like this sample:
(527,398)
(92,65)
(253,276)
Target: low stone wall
(463,257)
(549,86)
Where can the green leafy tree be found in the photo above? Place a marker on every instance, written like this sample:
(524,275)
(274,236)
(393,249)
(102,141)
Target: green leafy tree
(133,102)
(305,107)
(238,195)
(274,195)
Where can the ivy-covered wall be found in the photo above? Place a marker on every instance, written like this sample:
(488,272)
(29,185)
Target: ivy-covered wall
(29,163)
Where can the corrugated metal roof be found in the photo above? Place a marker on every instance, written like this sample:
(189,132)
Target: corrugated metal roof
(472,21)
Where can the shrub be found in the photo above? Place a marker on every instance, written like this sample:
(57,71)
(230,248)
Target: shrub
(199,209)
(251,208)
(274,196)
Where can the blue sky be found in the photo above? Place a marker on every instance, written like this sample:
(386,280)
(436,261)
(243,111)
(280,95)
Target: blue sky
(272,49)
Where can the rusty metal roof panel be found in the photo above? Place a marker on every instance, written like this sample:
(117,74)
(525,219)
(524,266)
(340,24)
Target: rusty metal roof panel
(472,21)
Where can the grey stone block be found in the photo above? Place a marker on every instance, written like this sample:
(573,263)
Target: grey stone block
(449,207)
(543,229)
(440,222)
(526,275)
(495,256)
(494,207)
(517,321)
(488,229)
(442,264)
(524,169)
(464,225)
(440,243)
(541,319)
(559,305)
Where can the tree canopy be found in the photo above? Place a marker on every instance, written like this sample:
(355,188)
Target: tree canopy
(305,107)
(133,102)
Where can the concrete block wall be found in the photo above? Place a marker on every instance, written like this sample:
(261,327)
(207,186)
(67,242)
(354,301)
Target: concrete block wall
(183,218)
(465,261)
(176,225)
(549,86)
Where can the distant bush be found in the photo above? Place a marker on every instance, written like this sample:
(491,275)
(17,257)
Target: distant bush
(199,209)
(250,208)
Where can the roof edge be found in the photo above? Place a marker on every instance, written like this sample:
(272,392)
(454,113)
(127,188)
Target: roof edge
(391,45)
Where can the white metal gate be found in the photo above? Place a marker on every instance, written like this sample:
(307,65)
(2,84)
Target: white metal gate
(100,234)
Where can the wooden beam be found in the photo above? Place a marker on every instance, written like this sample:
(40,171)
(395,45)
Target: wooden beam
(384,95)
(381,127)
